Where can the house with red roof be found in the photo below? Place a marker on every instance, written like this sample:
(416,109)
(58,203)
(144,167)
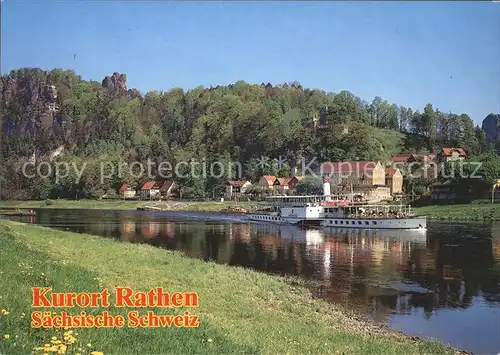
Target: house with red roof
(126,192)
(281,184)
(405,158)
(150,190)
(451,154)
(267,181)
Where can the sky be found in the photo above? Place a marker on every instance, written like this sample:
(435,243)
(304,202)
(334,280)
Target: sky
(409,53)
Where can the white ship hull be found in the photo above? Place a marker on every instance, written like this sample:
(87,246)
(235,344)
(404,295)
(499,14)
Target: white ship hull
(358,223)
(418,222)
(283,220)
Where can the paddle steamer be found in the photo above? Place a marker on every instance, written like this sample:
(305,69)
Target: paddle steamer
(338,211)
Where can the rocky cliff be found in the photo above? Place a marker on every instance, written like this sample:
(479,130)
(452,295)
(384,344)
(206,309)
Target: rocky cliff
(116,82)
(491,125)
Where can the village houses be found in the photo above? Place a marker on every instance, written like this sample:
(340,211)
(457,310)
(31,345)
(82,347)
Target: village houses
(367,179)
(150,190)
(267,182)
(126,192)
(394,179)
(286,184)
(402,159)
(451,154)
(236,188)
(405,158)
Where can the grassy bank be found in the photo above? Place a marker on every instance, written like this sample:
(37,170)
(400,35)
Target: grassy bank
(466,212)
(210,206)
(239,311)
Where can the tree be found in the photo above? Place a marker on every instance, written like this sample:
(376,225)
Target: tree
(428,120)
(310,186)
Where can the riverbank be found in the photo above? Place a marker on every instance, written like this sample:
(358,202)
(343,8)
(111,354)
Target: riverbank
(240,311)
(209,206)
(465,212)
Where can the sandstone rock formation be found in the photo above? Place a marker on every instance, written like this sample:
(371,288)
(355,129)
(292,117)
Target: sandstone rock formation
(491,125)
(50,107)
(116,81)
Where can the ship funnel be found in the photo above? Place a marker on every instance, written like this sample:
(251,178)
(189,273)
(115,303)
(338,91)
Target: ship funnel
(326,188)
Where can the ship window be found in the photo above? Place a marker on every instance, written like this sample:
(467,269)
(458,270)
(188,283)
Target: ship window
(374,222)
(336,222)
(359,222)
(367,223)
(353,222)
(341,222)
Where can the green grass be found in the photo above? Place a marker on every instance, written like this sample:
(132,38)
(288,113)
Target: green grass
(464,212)
(210,206)
(241,311)
(391,141)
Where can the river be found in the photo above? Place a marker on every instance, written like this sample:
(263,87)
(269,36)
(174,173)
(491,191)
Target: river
(443,283)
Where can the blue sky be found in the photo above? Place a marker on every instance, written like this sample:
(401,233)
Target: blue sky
(409,53)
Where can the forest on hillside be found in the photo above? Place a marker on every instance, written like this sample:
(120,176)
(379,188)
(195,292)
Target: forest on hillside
(41,111)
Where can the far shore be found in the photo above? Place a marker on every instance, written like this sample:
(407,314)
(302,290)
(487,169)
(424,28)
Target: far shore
(486,212)
(170,205)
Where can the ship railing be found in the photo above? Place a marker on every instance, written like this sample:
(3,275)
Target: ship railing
(379,211)
(299,200)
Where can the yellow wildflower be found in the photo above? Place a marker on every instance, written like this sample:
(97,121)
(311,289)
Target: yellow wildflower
(209,340)
(54,338)
(6,336)
(89,345)
(96,353)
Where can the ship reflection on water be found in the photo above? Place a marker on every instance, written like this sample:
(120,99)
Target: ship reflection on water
(443,282)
